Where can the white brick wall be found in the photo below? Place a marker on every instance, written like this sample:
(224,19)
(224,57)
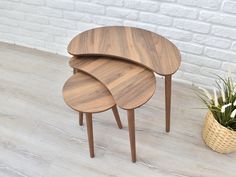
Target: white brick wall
(204,30)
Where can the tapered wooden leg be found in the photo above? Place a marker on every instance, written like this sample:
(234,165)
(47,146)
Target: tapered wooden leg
(80,118)
(131,125)
(117,117)
(168,101)
(74,71)
(89,123)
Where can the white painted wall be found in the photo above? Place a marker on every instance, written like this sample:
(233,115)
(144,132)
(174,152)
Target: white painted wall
(204,30)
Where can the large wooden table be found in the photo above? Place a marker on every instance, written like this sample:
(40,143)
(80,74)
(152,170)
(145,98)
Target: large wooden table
(145,48)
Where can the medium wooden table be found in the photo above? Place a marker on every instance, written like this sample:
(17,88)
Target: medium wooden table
(131,85)
(132,44)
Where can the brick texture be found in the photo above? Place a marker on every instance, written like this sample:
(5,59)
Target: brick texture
(203,30)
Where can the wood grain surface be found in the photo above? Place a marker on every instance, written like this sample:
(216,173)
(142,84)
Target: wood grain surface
(138,45)
(131,85)
(84,93)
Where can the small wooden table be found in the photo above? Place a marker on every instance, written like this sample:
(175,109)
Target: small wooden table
(85,94)
(133,44)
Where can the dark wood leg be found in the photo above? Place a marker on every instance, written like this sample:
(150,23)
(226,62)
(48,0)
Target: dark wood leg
(117,117)
(74,71)
(131,125)
(89,123)
(168,100)
(80,118)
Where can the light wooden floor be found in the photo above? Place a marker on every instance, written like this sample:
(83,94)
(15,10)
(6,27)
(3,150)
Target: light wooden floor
(40,135)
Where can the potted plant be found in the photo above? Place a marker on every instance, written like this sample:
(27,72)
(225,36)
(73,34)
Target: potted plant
(219,131)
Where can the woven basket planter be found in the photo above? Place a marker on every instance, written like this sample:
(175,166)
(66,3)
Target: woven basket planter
(217,137)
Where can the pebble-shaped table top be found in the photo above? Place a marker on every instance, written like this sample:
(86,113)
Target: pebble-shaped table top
(138,45)
(131,85)
(86,94)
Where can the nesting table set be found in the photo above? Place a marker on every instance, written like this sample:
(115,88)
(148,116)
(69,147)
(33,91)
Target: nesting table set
(114,66)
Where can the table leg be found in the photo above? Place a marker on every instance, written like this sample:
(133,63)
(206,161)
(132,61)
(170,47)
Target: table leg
(131,125)
(117,117)
(89,123)
(168,100)
(74,71)
(80,118)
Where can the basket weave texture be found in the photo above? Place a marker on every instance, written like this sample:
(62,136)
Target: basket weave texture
(217,137)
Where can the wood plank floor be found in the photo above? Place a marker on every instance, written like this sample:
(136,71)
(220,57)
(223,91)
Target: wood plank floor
(40,135)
